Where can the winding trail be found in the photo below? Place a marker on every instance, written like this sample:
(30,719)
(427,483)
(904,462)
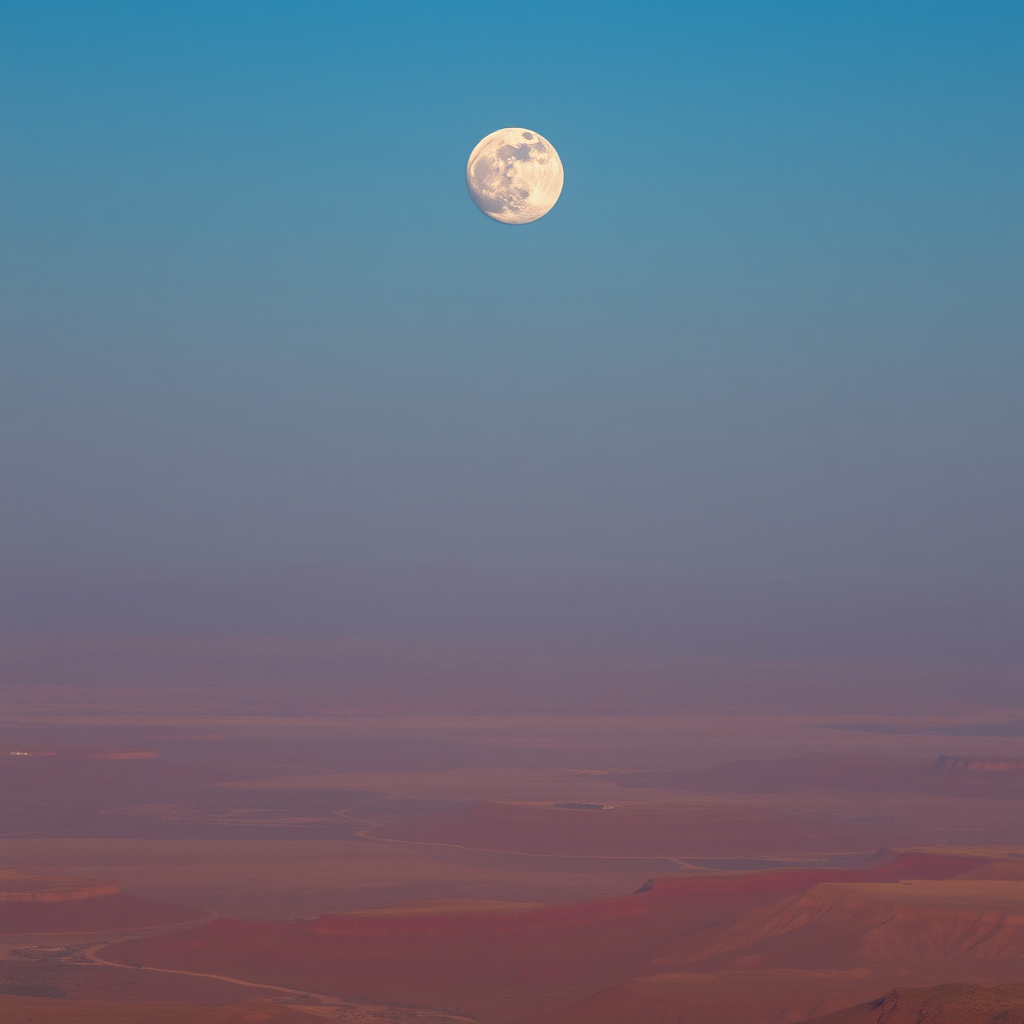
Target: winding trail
(92,955)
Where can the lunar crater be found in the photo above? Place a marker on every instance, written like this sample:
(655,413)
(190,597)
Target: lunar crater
(512,181)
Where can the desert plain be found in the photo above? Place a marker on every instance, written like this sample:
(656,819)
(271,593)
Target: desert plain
(233,830)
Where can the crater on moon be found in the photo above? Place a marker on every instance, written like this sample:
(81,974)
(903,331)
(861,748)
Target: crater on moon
(514,175)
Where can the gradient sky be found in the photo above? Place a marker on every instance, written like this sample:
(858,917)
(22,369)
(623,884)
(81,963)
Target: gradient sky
(770,338)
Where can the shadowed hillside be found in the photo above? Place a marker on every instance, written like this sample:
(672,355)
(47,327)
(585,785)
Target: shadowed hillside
(944,1004)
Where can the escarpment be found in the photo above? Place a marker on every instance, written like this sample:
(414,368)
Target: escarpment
(43,904)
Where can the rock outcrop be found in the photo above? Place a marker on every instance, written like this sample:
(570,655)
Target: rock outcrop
(42,904)
(941,1004)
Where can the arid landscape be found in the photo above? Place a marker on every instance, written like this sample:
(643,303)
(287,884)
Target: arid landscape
(511,512)
(236,832)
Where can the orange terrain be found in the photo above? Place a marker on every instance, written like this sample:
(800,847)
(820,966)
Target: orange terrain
(725,946)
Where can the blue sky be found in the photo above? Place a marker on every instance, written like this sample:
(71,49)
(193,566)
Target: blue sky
(769,337)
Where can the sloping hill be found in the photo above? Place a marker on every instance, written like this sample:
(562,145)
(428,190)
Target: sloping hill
(943,1004)
(1010,870)
(501,962)
(735,997)
(838,924)
(808,953)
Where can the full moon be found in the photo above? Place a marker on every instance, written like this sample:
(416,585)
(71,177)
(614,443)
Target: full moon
(514,175)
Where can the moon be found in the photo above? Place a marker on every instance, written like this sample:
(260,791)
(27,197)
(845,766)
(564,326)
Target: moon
(514,175)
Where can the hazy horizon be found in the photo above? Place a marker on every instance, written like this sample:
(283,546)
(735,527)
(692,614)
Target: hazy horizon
(667,617)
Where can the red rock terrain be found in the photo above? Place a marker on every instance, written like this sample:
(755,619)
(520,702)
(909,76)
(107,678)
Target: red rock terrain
(777,997)
(39,904)
(836,942)
(28,1010)
(523,830)
(840,923)
(943,1004)
(500,964)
